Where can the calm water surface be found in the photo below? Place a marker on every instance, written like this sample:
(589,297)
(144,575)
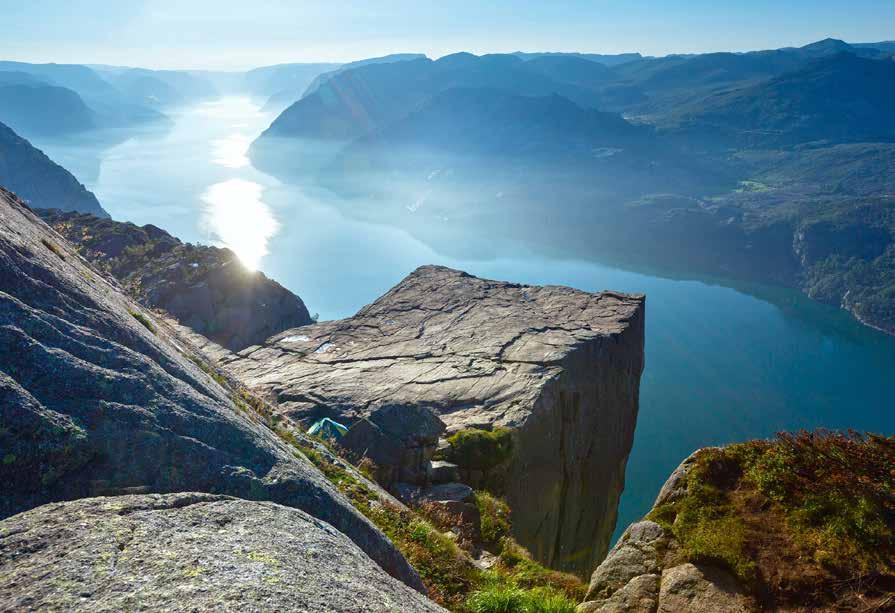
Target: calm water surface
(723,364)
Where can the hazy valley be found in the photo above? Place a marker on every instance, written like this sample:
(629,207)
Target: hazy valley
(232,303)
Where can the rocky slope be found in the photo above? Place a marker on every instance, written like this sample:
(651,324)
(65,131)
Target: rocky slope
(802,523)
(40,181)
(560,368)
(204,288)
(100,398)
(188,552)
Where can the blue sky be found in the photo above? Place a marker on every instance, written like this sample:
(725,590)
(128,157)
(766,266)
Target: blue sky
(236,35)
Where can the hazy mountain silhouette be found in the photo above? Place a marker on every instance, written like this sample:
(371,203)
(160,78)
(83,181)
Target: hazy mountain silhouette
(290,90)
(607,60)
(38,180)
(112,108)
(36,109)
(355,102)
(267,81)
(158,88)
(839,98)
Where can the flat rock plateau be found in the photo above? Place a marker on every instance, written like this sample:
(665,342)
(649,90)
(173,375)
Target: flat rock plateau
(558,367)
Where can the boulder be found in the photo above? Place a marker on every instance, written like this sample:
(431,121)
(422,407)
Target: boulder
(559,367)
(637,553)
(643,572)
(99,397)
(702,589)
(458,492)
(188,552)
(400,440)
(443,472)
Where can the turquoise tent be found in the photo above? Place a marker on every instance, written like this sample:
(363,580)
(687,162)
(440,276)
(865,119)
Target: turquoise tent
(328,429)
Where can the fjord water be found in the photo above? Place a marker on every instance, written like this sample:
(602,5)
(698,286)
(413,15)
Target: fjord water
(725,362)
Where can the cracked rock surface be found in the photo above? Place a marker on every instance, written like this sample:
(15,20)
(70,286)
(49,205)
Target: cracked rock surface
(188,552)
(560,367)
(98,398)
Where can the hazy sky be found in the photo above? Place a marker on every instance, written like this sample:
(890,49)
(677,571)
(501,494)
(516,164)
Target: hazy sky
(231,34)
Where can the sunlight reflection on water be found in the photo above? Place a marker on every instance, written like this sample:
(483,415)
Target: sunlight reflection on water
(236,217)
(232,151)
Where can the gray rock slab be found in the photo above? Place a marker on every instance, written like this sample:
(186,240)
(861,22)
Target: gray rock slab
(188,552)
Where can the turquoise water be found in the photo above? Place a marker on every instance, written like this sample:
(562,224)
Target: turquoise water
(724,362)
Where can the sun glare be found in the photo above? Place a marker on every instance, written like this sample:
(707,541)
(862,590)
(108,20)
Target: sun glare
(236,216)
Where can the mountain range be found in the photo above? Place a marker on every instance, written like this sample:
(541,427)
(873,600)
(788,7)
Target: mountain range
(754,153)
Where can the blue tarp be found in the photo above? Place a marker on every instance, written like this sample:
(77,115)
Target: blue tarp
(327,428)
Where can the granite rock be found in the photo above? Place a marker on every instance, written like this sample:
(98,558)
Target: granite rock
(645,571)
(559,367)
(188,552)
(99,398)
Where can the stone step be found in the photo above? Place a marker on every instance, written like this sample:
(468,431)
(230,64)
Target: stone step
(443,472)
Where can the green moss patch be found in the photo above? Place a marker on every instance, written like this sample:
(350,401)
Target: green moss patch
(53,247)
(144,321)
(480,449)
(808,517)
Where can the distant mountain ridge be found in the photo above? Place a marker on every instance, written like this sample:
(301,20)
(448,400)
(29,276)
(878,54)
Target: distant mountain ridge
(40,181)
(110,106)
(37,109)
(777,160)
(839,98)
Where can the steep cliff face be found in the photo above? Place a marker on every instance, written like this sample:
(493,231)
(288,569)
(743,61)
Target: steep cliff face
(558,367)
(205,288)
(100,398)
(805,522)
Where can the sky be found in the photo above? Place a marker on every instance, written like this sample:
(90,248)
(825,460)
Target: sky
(235,35)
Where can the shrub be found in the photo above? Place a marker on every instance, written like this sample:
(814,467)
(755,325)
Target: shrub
(481,449)
(495,516)
(516,564)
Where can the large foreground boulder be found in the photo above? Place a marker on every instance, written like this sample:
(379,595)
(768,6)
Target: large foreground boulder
(99,398)
(559,368)
(188,552)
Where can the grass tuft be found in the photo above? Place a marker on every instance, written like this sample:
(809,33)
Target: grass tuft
(495,517)
(144,321)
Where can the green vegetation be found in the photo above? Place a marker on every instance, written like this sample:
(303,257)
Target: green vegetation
(481,449)
(498,597)
(53,247)
(450,575)
(788,515)
(143,320)
(447,571)
(515,563)
(495,515)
